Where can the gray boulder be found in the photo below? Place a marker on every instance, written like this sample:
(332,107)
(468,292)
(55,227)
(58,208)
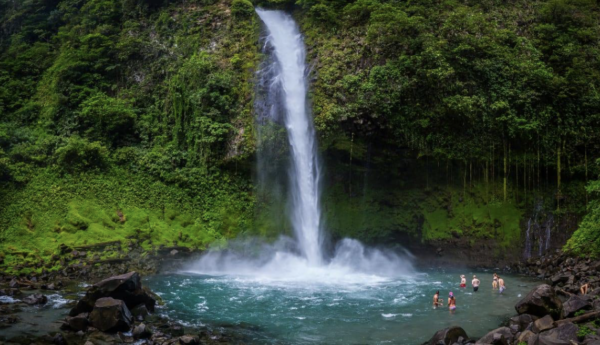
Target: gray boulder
(575,304)
(448,336)
(541,301)
(111,315)
(500,335)
(525,336)
(561,335)
(522,321)
(79,322)
(543,324)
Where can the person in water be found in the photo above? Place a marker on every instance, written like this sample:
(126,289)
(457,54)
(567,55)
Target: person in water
(501,285)
(451,301)
(475,282)
(436,298)
(495,282)
(463,281)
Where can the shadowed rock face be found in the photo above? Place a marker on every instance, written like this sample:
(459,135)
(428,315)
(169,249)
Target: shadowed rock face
(448,336)
(541,301)
(110,314)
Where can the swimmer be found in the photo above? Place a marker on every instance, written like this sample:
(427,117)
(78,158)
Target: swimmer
(501,285)
(436,299)
(495,282)
(451,301)
(463,281)
(475,282)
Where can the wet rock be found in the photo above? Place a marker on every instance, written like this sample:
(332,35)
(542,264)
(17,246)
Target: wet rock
(541,301)
(35,299)
(79,322)
(501,335)
(176,329)
(575,304)
(126,287)
(448,336)
(561,335)
(522,321)
(141,331)
(140,312)
(560,278)
(110,314)
(189,340)
(543,324)
(101,338)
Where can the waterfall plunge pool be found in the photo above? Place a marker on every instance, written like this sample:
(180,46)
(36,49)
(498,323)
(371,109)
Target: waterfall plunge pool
(365,310)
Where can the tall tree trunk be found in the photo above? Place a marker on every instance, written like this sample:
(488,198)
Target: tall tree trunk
(586,174)
(505,177)
(558,178)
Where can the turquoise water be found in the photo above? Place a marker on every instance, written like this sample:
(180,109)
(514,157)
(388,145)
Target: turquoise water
(360,311)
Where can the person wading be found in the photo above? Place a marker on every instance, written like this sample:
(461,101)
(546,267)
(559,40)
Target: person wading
(475,282)
(451,301)
(501,285)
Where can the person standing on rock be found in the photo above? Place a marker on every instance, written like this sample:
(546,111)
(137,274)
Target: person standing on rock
(475,282)
(501,285)
(463,281)
(451,301)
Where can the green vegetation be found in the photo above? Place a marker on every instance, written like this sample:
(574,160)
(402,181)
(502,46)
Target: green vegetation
(436,120)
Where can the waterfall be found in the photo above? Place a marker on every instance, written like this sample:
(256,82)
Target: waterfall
(281,100)
(288,46)
(527,253)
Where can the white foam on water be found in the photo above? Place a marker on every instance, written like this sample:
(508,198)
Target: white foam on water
(8,300)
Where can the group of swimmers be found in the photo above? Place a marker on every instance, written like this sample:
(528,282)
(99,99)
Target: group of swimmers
(497,284)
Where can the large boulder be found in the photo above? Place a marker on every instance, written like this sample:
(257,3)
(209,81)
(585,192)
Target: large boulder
(575,304)
(79,322)
(126,287)
(448,336)
(111,315)
(521,322)
(496,336)
(541,301)
(543,324)
(561,335)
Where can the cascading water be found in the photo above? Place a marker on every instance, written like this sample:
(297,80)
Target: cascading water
(304,173)
(282,88)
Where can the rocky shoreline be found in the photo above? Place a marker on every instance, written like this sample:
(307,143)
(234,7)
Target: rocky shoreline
(551,314)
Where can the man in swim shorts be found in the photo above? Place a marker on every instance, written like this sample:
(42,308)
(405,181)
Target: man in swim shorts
(475,282)
(501,285)
(463,281)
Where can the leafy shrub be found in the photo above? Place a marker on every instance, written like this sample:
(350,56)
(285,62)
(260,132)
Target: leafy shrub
(242,9)
(80,154)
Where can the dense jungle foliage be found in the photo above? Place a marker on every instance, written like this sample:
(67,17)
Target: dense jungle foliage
(135,119)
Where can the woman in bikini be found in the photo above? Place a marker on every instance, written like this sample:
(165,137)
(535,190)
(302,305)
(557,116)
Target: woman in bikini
(451,302)
(495,282)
